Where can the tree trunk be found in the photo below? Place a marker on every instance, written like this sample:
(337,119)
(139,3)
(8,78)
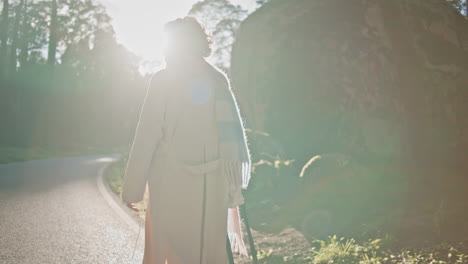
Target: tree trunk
(465,5)
(14,44)
(53,35)
(23,55)
(4,34)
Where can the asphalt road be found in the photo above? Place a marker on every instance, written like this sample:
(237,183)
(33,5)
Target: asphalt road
(52,211)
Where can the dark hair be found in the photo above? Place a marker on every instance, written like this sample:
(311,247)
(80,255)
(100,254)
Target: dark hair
(187,36)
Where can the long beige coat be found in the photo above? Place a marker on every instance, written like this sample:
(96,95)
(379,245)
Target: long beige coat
(175,151)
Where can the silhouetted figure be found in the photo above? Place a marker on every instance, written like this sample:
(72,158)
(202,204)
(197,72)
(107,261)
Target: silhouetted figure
(190,148)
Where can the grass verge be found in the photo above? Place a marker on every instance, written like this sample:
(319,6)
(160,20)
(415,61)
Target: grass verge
(18,154)
(114,176)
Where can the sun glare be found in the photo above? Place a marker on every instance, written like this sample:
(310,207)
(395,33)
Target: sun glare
(139,25)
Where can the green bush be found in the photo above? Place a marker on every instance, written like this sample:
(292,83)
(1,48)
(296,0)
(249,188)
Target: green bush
(341,250)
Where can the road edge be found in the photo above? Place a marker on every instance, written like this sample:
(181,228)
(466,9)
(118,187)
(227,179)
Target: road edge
(117,207)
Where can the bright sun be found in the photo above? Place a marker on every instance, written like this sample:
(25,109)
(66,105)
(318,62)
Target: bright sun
(139,23)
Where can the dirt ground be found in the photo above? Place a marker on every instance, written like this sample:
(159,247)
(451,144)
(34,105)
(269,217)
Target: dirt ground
(288,246)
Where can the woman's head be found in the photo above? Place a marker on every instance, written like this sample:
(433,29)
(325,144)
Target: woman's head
(186,37)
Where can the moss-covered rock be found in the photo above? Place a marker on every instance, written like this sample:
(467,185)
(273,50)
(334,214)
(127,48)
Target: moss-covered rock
(384,82)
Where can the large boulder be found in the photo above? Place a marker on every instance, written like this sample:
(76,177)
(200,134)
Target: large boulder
(383,82)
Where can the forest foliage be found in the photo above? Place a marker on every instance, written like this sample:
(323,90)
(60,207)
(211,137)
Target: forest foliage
(66,84)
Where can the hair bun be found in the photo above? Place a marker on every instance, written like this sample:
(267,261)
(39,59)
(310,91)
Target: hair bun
(187,36)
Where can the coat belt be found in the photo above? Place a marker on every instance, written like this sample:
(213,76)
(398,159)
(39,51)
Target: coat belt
(201,168)
(165,151)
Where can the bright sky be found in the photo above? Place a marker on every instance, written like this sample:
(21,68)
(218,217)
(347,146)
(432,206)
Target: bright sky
(139,23)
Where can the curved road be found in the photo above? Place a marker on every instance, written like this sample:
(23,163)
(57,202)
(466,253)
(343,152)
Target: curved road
(52,211)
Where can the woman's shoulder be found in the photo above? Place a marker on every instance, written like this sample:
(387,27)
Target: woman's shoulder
(159,80)
(218,74)
(160,75)
(157,84)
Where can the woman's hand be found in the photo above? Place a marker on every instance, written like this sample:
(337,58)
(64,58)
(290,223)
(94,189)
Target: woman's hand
(133,207)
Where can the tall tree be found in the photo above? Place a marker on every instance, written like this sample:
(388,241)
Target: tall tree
(222,19)
(24,43)
(19,12)
(261,2)
(4,30)
(82,20)
(461,5)
(53,38)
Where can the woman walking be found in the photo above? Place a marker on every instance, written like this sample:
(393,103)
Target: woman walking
(190,148)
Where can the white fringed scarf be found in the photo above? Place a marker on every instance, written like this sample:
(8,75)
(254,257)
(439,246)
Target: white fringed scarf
(235,160)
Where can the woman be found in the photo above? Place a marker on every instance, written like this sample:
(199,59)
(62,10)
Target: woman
(190,148)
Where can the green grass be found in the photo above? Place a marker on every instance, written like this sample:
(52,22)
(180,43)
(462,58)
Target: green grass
(10,154)
(17,154)
(114,176)
(115,173)
(348,251)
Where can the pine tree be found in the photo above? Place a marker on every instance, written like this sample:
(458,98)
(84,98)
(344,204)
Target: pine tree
(4,35)
(53,38)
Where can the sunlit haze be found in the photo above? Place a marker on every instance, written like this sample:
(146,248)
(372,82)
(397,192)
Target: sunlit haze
(139,23)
